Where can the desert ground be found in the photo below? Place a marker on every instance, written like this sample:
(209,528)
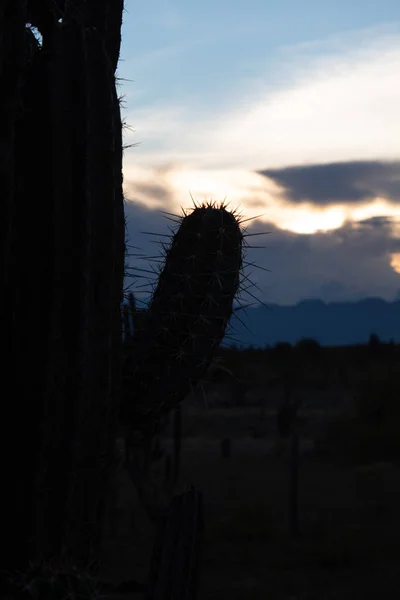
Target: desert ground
(349,518)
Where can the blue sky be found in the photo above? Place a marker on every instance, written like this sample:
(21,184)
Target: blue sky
(262,102)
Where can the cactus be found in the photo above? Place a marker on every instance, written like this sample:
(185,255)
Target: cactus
(59,580)
(171,351)
(61,179)
(187,316)
(45,581)
(174,568)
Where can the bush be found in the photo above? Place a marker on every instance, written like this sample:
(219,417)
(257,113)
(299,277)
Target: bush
(309,347)
(354,441)
(378,402)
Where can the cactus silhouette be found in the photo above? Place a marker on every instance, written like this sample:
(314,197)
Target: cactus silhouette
(86,365)
(187,315)
(170,352)
(62,271)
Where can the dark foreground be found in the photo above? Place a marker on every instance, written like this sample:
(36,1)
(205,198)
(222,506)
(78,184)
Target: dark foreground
(348,547)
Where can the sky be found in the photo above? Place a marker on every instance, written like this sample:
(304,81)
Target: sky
(289,110)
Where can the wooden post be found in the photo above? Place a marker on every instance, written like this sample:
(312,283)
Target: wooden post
(294,483)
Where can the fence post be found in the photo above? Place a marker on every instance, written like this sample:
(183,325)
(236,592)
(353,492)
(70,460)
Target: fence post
(226,448)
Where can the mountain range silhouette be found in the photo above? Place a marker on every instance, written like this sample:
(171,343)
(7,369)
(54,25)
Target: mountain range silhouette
(331,324)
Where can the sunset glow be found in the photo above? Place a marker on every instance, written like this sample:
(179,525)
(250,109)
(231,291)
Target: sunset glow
(298,125)
(395,262)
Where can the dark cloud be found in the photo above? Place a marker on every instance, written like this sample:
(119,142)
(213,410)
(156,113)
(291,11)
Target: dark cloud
(345,264)
(376,222)
(145,232)
(332,288)
(334,183)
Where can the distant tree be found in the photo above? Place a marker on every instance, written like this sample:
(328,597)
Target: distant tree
(390,347)
(309,347)
(283,345)
(282,350)
(374,343)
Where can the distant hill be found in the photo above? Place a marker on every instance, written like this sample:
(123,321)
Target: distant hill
(331,324)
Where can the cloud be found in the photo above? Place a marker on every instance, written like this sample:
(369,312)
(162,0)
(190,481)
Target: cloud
(347,111)
(341,106)
(173,184)
(253,193)
(145,232)
(338,183)
(152,190)
(150,187)
(346,264)
(317,151)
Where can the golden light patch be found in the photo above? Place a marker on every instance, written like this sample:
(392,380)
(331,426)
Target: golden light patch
(308,220)
(235,186)
(377,208)
(395,262)
(169,187)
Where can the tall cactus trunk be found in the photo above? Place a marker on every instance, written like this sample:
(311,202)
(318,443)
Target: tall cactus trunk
(61,175)
(67,344)
(97,420)
(22,347)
